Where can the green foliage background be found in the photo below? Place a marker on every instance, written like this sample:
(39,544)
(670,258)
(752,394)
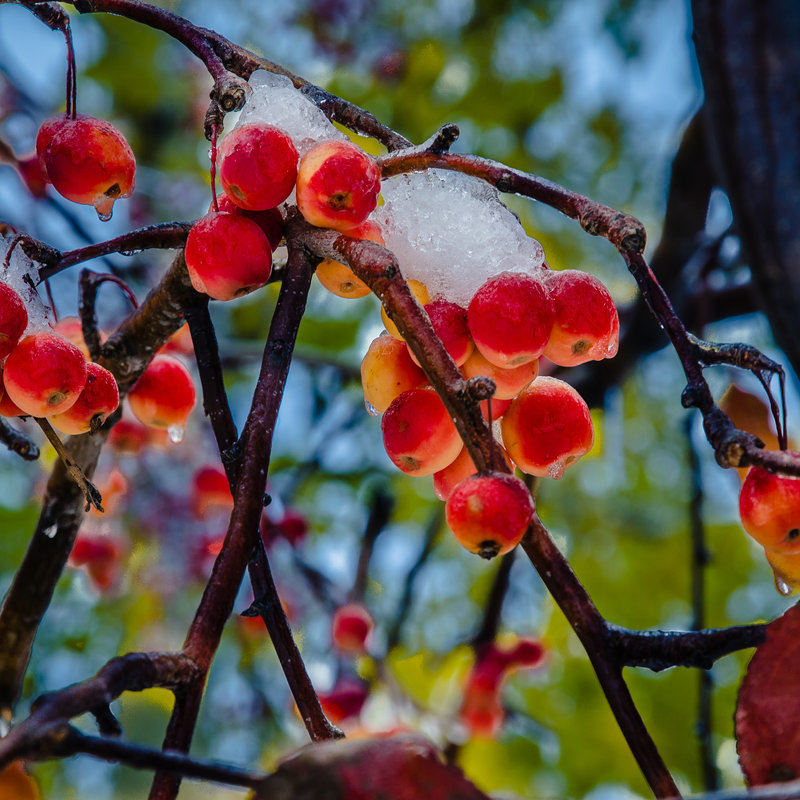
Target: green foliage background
(518,79)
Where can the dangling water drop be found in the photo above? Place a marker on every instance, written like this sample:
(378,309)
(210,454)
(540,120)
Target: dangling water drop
(371,410)
(104,206)
(176,433)
(783,587)
(50,531)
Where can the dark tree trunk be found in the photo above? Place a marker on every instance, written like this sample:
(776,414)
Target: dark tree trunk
(749,56)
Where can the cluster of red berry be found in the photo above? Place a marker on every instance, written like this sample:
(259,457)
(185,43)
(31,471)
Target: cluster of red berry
(513,319)
(46,375)
(229,251)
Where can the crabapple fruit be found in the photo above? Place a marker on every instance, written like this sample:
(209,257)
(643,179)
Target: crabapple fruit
(227,255)
(88,161)
(339,278)
(99,398)
(510,318)
(345,700)
(420,291)
(547,427)
(449,321)
(509,382)
(30,171)
(769,507)
(270,220)
(210,490)
(351,627)
(586,326)
(258,166)
(489,513)
(418,433)
(13,319)
(387,371)
(164,396)
(100,554)
(337,185)
(44,374)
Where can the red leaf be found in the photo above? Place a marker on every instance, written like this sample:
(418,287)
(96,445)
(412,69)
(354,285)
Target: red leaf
(768,710)
(391,767)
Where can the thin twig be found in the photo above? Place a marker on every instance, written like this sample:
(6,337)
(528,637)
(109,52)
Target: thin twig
(17,442)
(89,490)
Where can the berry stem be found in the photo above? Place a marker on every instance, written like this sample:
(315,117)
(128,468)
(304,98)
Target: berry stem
(89,490)
(213,168)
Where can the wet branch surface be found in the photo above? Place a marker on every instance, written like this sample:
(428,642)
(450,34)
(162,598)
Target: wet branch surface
(128,351)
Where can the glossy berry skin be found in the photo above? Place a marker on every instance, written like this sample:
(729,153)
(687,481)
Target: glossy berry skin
(547,428)
(270,221)
(258,166)
(418,433)
(351,627)
(164,395)
(13,319)
(227,256)
(99,398)
(489,513)
(769,507)
(586,326)
(47,130)
(337,185)
(387,371)
(44,374)
(88,161)
(510,318)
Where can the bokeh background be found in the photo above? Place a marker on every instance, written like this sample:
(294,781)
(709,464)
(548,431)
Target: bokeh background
(594,94)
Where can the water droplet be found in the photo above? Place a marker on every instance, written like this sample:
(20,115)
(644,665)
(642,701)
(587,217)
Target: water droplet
(783,587)
(176,433)
(556,470)
(5,727)
(371,410)
(129,253)
(50,531)
(104,206)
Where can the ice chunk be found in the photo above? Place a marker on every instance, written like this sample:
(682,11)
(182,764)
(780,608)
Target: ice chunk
(275,101)
(18,274)
(451,232)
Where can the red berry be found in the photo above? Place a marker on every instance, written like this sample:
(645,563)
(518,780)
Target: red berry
(13,319)
(88,161)
(44,374)
(164,396)
(489,513)
(258,166)
(547,428)
(337,185)
(352,625)
(99,398)
(227,256)
(769,507)
(418,433)
(510,318)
